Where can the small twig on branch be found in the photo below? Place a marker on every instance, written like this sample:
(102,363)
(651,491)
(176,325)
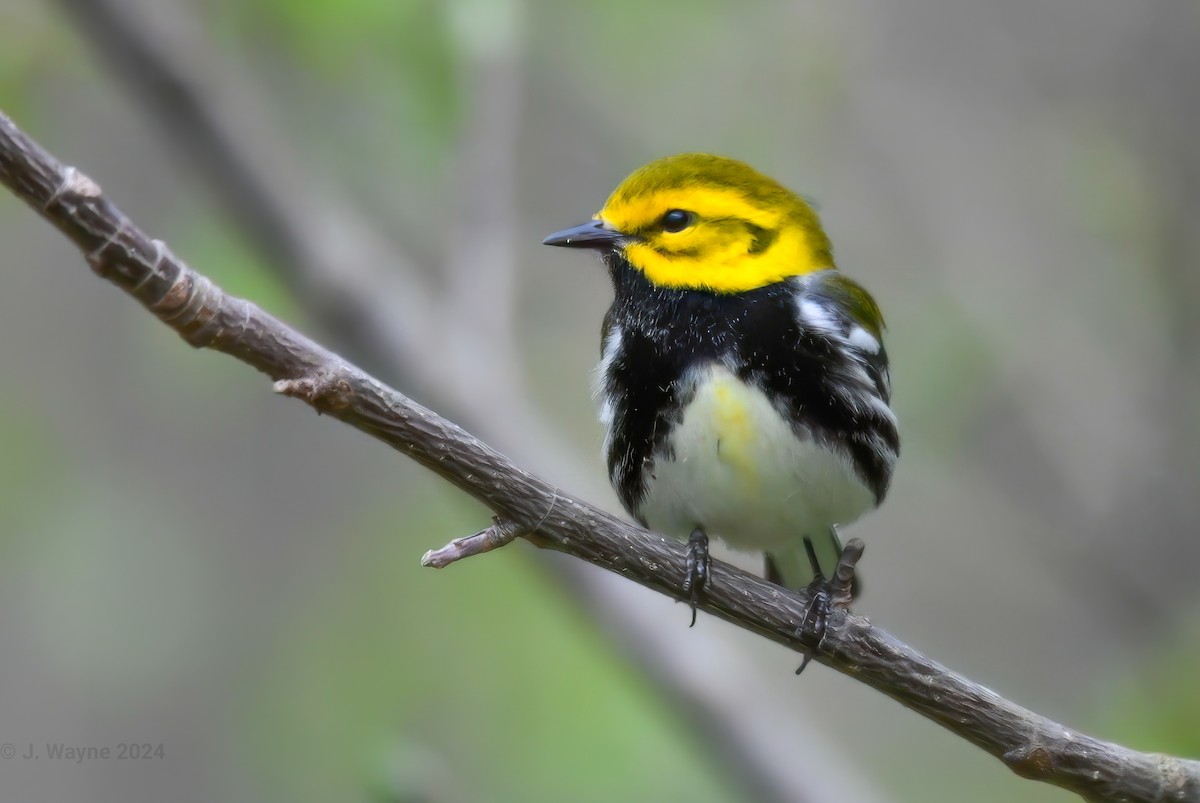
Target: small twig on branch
(498,535)
(207,317)
(842,585)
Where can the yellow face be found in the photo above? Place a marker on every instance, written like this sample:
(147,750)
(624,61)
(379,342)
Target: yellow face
(705,222)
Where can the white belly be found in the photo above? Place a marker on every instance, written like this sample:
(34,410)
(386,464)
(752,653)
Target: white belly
(740,473)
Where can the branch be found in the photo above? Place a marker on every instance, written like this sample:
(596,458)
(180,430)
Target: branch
(207,317)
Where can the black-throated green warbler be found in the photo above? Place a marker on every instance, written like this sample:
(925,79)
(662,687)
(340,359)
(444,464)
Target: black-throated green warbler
(744,383)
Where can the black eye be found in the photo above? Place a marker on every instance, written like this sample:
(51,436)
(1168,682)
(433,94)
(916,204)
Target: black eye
(676,220)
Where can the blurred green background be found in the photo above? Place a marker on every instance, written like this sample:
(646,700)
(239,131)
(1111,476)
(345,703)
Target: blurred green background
(186,559)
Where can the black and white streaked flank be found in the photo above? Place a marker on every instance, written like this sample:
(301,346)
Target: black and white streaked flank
(758,417)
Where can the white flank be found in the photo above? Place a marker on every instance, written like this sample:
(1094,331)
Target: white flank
(612,346)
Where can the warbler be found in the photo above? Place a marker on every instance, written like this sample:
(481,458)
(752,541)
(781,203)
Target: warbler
(743,384)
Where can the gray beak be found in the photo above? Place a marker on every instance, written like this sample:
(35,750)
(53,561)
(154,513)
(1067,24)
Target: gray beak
(593,234)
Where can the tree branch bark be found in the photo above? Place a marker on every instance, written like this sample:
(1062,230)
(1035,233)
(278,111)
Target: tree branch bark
(207,317)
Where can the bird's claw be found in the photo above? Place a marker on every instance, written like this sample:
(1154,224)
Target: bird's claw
(826,594)
(697,571)
(816,615)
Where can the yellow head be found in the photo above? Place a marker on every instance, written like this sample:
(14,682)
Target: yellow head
(698,221)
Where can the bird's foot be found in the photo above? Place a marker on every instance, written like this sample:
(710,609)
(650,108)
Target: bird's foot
(826,595)
(697,570)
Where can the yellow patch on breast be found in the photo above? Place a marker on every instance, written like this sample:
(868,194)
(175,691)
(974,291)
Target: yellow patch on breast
(733,424)
(738,470)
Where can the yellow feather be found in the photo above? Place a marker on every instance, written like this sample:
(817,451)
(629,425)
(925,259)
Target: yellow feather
(746,230)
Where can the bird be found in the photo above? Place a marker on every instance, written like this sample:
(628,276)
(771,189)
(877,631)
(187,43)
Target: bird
(743,383)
